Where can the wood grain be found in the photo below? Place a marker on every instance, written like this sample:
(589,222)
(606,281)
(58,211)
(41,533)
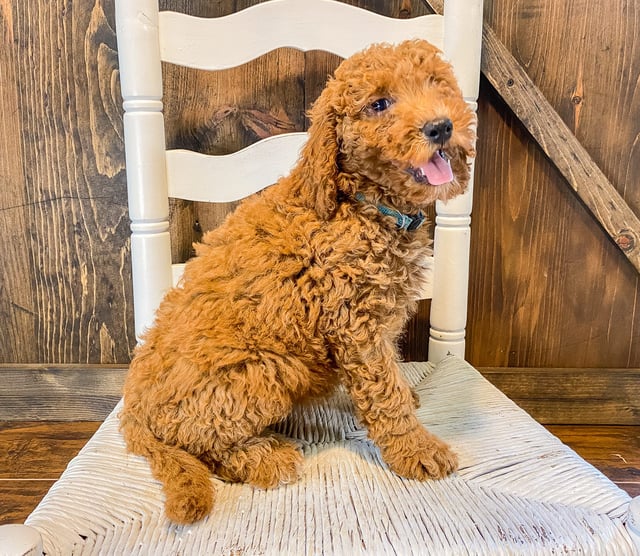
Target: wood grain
(549,295)
(536,114)
(613,450)
(558,142)
(572,396)
(30,447)
(65,277)
(16,308)
(219,115)
(66,393)
(33,456)
(18,498)
(548,289)
(561,146)
(555,396)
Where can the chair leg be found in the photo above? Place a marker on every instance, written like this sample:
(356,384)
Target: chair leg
(19,539)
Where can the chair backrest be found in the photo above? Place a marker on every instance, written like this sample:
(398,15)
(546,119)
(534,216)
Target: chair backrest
(147,37)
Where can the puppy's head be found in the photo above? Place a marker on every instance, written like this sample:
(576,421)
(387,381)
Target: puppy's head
(393,126)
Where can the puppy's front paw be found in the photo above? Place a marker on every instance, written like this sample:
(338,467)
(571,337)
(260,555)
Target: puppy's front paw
(420,455)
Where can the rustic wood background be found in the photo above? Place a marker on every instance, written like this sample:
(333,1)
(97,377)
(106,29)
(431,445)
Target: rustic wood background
(548,287)
(553,290)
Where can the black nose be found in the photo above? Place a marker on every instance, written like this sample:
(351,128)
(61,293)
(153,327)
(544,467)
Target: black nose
(438,131)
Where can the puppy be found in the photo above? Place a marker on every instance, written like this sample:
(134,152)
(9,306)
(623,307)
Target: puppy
(305,286)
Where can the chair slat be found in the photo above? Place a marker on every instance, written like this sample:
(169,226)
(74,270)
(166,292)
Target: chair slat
(221,179)
(305,25)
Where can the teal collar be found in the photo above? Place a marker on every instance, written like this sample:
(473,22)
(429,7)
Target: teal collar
(403,221)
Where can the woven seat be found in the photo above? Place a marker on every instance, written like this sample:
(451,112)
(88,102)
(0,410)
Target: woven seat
(519,490)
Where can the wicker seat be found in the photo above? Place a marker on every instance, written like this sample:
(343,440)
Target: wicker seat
(519,490)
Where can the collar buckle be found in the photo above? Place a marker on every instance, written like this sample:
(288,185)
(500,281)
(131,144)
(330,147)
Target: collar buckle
(403,221)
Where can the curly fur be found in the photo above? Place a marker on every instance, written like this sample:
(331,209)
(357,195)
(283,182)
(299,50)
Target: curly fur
(304,287)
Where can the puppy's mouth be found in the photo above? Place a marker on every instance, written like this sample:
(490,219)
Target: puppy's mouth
(436,171)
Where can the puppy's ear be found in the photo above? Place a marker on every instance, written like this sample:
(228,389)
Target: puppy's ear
(318,166)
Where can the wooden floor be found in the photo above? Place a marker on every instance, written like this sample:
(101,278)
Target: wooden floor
(34,454)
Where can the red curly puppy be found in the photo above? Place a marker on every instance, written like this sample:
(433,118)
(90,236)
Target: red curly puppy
(307,285)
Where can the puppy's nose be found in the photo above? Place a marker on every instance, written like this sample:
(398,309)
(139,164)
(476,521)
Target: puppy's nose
(438,131)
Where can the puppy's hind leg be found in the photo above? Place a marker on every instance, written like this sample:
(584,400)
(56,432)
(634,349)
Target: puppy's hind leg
(262,390)
(264,461)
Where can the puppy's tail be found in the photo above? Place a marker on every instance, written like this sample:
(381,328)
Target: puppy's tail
(185,479)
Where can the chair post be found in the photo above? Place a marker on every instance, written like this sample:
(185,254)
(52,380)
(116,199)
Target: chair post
(141,84)
(462,43)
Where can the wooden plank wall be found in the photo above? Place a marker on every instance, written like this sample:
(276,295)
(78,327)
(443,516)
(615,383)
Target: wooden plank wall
(554,292)
(64,273)
(548,289)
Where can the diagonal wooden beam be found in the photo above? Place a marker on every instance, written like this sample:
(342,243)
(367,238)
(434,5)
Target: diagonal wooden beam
(559,143)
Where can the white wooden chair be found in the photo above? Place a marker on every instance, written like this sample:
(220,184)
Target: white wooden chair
(519,489)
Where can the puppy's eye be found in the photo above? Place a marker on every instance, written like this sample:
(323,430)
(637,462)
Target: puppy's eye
(381,104)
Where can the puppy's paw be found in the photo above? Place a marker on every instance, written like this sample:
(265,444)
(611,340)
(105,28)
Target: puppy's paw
(420,455)
(279,466)
(265,462)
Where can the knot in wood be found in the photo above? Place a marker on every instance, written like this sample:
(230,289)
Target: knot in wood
(626,240)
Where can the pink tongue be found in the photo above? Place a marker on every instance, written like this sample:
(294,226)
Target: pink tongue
(437,170)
